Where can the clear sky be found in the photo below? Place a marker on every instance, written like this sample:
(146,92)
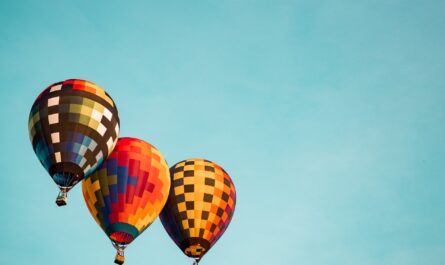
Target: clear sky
(328,115)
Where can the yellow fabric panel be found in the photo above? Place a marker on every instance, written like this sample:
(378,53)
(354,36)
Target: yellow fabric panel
(75,108)
(181,206)
(189,167)
(189,196)
(86,110)
(179,190)
(93,124)
(91,198)
(185,224)
(99,107)
(178,175)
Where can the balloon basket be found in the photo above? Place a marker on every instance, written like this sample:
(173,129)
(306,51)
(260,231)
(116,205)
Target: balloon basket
(119,259)
(62,199)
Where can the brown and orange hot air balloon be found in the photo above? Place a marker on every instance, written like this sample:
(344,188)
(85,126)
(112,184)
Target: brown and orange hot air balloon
(199,207)
(127,193)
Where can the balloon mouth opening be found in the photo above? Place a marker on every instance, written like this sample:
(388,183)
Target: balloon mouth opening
(195,251)
(66,181)
(121,238)
(195,247)
(66,175)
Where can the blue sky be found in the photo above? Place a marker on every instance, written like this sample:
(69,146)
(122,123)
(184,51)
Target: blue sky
(328,115)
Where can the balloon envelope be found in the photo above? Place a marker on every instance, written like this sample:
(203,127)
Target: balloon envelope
(73,127)
(200,205)
(127,193)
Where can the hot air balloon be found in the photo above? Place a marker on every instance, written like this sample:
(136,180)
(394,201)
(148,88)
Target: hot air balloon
(127,193)
(73,126)
(199,207)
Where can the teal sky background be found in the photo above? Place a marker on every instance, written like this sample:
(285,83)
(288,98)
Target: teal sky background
(328,115)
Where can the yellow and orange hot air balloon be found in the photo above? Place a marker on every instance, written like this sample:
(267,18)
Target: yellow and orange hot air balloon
(200,205)
(127,193)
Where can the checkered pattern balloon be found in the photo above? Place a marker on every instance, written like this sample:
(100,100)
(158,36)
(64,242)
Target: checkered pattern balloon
(73,127)
(127,193)
(199,207)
